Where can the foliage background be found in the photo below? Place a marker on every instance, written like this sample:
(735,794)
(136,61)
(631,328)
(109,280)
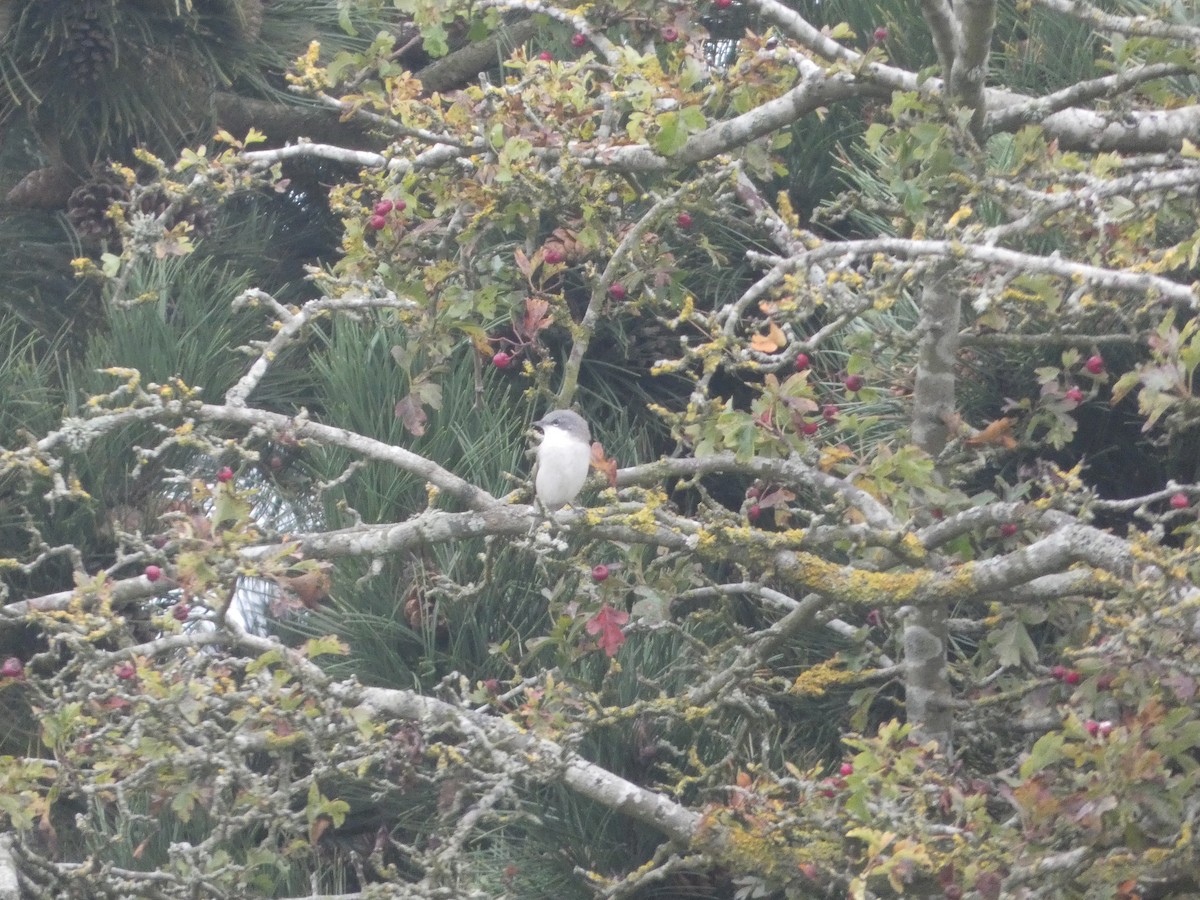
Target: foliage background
(784,546)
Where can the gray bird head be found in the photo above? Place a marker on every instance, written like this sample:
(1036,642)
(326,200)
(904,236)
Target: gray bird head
(571,422)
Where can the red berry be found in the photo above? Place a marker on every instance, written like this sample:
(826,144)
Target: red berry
(383,207)
(853,383)
(1072,677)
(1007,530)
(617,291)
(275,463)
(829,412)
(1059,672)
(152,573)
(600,572)
(376,222)
(753,492)
(846,769)
(125,671)
(1104,683)
(669,33)
(400,206)
(492,686)
(810,428)
(181,611)
(12,668)
(1180,501)
(874,618)
(225,475)
(1075,395)
(1092,726)
(502,360)
(722,4)
(552,256)
(754,513)
(1095,364)
(578,40)
(881,35)
(683,220)
(802,362)
(1106,728)
(545,56)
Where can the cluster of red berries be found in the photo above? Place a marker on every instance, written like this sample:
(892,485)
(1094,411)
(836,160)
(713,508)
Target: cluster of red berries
(1093,365)
(1066,676)
(379,214)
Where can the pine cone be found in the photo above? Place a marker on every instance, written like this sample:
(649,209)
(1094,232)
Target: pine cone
(155,202)
(89,44)
(87,208)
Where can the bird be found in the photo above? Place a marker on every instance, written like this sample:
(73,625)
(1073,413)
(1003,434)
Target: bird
(564,457)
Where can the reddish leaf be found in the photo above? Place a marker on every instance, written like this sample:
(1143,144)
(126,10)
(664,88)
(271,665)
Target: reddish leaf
(523,264)
(602,464)
(318,828)
(535,319)
(409,412)
(606,627)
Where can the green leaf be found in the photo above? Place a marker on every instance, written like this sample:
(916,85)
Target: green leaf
(324,646)
(1046,752)
(433,40)
(672,135)
(693,119)
(1013,645)
(270,658)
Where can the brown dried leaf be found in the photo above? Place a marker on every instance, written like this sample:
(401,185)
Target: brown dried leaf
(771,342)
(310,588)
(997,433)
(780,497)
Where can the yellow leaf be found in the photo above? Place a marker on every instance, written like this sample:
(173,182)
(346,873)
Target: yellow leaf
(833,456)
(963,212)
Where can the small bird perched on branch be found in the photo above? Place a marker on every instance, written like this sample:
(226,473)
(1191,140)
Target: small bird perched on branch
(563,458)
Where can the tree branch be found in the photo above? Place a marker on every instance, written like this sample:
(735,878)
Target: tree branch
(1138,25)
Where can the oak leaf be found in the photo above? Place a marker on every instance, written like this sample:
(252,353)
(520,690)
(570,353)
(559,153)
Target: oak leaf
(605,626)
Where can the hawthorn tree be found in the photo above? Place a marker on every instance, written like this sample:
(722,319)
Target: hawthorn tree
(847,609)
